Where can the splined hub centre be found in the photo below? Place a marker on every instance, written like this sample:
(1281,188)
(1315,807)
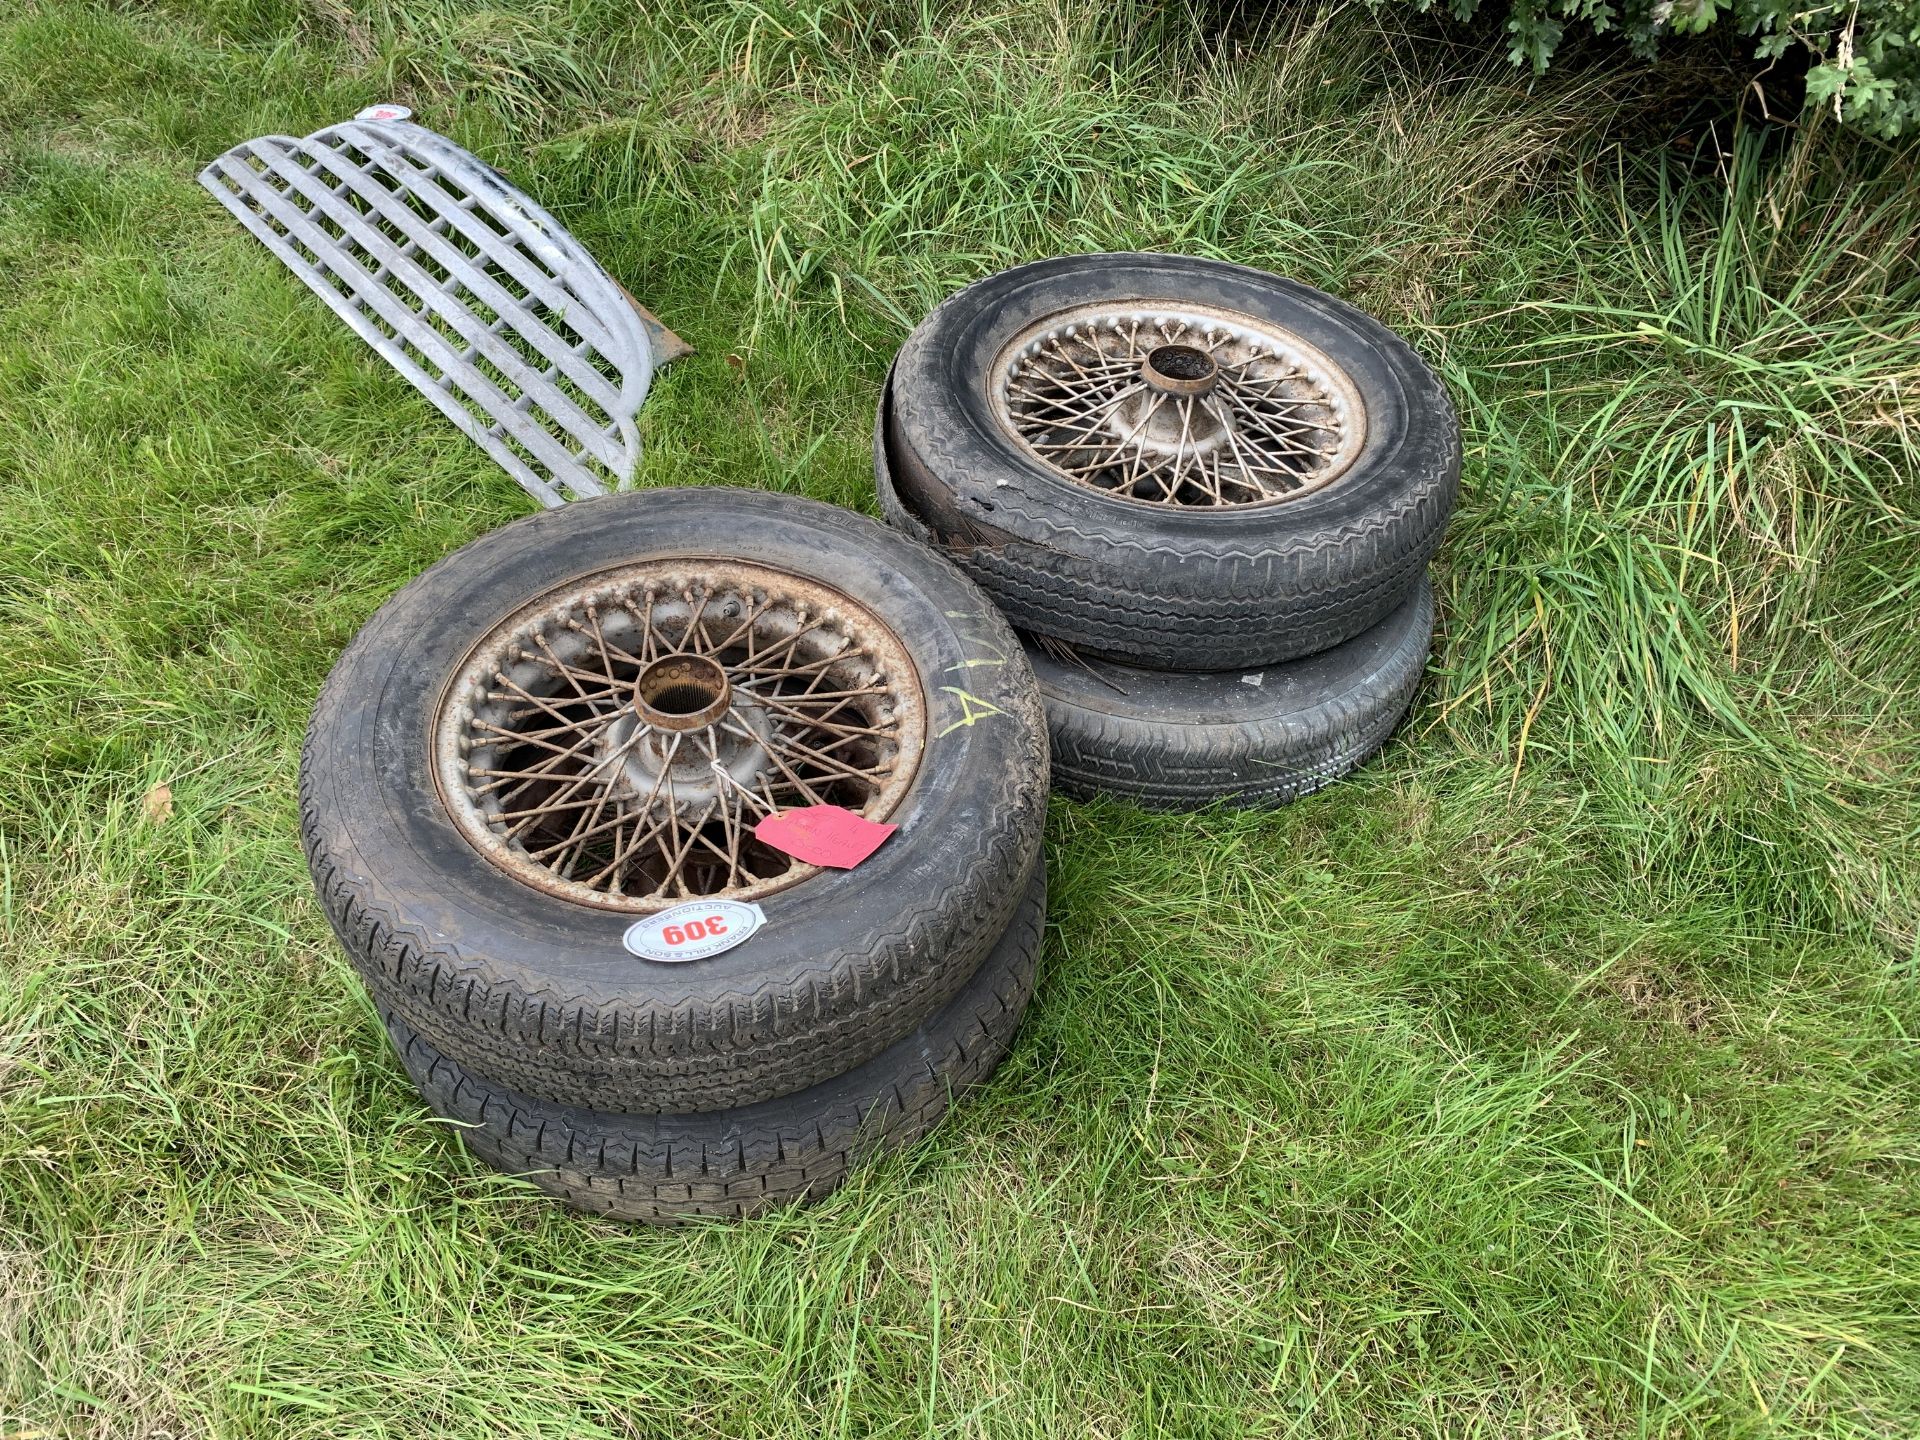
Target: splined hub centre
(681,692)
(655,766)
(1180,370)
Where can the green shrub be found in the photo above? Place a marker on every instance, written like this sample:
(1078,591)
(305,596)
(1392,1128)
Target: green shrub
(1865,53)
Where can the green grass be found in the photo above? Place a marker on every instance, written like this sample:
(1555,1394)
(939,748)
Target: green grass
(1555,1076)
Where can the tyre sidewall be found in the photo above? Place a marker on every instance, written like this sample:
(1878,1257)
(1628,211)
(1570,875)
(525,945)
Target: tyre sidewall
(1262,736)
(1291,694)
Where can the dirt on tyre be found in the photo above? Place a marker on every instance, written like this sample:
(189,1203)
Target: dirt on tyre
(575,723)
(736,1163)
(1172,740)
(1170,462)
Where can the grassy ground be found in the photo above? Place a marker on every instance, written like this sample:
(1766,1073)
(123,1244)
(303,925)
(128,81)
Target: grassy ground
(1555,1076)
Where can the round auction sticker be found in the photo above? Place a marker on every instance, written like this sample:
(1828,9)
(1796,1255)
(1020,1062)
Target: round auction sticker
(693,931)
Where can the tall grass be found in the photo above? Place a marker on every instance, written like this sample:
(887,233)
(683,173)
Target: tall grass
(1554,1076)
(1705,537)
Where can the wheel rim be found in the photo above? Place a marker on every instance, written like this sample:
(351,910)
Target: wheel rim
(615,741)
(1165,403)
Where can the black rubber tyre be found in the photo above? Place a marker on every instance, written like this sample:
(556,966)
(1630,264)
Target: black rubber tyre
(537,990)
(733,1163)
(1181,740)
(1166,586)
(1173,741)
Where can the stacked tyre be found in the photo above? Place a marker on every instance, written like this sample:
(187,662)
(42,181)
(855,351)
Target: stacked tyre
(1204,495)
(533,800)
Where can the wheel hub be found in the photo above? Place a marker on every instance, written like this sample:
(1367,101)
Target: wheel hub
(1181,405)
(669,767)
(677,693)
(1180,370)
(1170,433)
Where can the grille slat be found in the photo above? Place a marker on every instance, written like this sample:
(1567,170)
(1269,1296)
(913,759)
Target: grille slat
(479,298)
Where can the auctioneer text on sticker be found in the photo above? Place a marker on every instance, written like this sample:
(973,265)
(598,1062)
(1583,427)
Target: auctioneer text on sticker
(694,931)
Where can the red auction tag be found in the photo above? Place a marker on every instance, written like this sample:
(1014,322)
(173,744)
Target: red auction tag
(823,835)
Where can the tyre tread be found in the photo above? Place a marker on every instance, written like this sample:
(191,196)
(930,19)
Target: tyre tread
(734,1164)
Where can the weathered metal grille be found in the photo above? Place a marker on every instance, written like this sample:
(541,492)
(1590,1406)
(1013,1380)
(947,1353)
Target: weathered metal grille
(461,283)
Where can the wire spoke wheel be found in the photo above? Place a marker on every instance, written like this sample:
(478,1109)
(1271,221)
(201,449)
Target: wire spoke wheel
(616,742)
(1179,405)
(579,720)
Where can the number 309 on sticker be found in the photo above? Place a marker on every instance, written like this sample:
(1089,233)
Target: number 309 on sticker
(693,931)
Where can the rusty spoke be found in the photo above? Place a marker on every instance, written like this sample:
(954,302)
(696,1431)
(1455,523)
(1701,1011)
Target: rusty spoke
(618,744)
(1168,404)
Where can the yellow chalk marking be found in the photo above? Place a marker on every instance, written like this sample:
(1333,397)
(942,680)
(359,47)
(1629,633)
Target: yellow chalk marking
(972,709)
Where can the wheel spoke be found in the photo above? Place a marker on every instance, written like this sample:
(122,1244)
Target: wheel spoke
(575,756)
(1266,417)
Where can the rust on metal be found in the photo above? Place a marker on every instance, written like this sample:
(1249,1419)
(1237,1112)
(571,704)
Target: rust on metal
(1180,370)
(615,741)
(682,692)
(1167,403)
